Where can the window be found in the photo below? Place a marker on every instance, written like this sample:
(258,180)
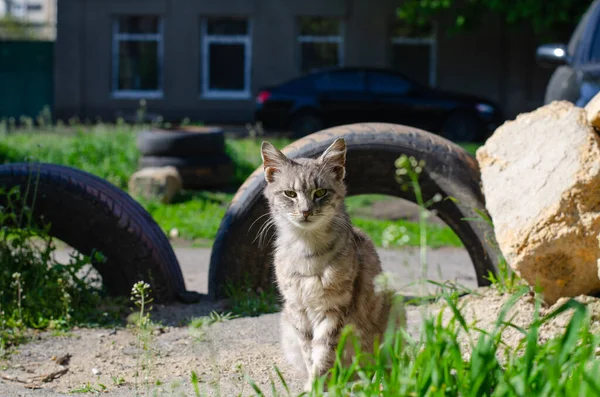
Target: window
(137,57)
(34,7)
(343,81)
(320,43)
(414,53)
(384,83)
(226,58)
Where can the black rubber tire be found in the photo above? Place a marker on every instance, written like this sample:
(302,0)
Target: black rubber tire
(563,85)
(305,123)
(181,142)
(462,127)
(372,151)
(196,172)
(89,213)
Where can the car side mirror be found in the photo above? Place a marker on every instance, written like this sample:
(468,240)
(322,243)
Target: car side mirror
(549,55)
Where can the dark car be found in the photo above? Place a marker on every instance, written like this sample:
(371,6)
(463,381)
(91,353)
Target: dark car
(351,95)
(577,77)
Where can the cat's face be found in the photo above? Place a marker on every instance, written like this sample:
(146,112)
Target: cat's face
(306,193)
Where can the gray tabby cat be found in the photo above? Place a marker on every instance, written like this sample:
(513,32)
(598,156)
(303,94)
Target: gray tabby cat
(325,268)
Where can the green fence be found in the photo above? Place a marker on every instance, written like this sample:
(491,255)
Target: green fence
(26,77)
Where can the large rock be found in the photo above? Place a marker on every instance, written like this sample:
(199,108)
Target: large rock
(541,180)
(159,183)
(593,112)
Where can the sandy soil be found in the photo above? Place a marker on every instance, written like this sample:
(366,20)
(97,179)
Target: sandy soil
(224,359)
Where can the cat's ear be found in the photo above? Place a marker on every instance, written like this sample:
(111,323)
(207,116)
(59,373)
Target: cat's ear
(273,160)
(335,157)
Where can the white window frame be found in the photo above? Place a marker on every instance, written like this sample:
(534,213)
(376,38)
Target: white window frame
(432,42)
(337,39)
(207,39)
(119,37)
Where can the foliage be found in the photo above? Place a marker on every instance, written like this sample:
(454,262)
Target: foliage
(245,154)
(36,291)
(109,151)
(12,28)
(435,364)
(195,215)
(103,150)
(248,302)
(550,19)
(199,325)
(143,327)
(385,233)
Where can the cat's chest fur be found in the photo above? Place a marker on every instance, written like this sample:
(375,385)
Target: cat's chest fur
(315,284)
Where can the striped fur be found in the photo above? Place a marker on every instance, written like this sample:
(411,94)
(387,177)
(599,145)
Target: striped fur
(325,268)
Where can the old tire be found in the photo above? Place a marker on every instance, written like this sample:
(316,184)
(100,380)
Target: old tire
(89,213)
(181,142)
(196,172)
(372,151)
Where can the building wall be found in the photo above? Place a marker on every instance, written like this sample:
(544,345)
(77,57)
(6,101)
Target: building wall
(37,12)
(493,61)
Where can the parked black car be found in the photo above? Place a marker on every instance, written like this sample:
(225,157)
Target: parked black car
(578,62)
(350,95)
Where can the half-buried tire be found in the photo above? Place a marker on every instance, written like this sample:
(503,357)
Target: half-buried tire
(88,213)
(372,151)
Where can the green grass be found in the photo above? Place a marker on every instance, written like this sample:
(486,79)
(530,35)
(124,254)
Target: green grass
(437,236)
(247,302)
(245,153)
(109,152)
(453,358)
(106,151)
(198,216)
(194,215)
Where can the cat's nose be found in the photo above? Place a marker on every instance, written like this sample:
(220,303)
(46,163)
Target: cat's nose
(306,214)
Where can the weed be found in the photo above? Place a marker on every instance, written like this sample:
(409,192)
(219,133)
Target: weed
(118,380)
(248,302)
(195,384)
(144,327)
(36,291)
(89,388)
(198,325)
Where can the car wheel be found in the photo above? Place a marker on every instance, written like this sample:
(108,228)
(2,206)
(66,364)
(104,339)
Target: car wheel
(89,213)
(563,86)
(305,124)
(373,148)
(461,127)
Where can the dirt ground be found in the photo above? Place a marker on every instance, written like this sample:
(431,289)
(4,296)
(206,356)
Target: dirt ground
(225,358)
(229,353)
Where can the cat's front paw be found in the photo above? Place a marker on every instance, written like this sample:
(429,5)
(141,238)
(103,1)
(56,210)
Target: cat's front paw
(308,385)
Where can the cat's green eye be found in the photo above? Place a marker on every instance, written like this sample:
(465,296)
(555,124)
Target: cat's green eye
(320,193)
(290,193)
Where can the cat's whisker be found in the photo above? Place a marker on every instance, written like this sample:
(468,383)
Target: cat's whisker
(269,223)
(256,220)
